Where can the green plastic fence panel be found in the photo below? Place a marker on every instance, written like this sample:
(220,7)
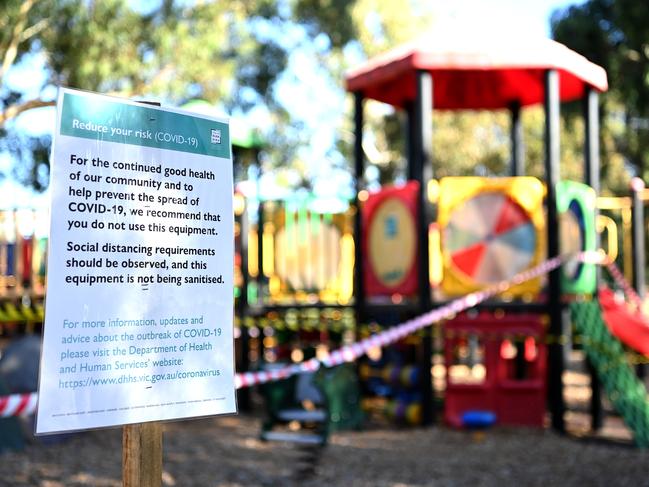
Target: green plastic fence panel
(625,391)
(576,206)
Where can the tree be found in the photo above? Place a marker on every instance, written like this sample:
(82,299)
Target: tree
(357,30)
(229,53)
(613,34)
(172,53)
(233,54)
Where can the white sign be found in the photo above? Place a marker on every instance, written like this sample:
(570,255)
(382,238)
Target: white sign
(139,309)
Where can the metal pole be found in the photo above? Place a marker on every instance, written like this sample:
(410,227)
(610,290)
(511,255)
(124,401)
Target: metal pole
(591,177)
(517,169)
(359,169)
(638,247)
(557,328)
(420,169)
(518,155)
(413,134)
(591,142)
(423,141)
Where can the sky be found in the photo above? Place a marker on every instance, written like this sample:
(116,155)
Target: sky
(530,16)
(304,78)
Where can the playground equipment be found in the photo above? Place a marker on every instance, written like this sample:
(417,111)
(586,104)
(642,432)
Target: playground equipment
(404,411)
(492,229)
(454,72)
(396,382)
(627,393)
(299,402)
(495,364)
(305,254)
(312,405)
(23,252)
(390,243)
(576,207)
(294,254)
(632,328)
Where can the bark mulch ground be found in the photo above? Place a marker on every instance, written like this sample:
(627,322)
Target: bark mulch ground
(226,452)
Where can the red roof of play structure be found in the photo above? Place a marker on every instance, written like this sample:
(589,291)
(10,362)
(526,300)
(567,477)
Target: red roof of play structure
(476,72)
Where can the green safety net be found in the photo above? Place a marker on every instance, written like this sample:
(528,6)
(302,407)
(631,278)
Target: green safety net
(623,388)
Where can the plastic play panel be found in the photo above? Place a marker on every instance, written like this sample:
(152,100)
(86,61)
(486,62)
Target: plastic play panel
(576,207)
(390,240)
(492,229)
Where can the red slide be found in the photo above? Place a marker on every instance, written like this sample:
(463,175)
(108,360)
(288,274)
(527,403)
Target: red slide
(630,327)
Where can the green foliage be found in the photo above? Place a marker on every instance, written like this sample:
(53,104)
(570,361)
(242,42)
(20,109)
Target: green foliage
(232,53)
(172,53)
(470,143)
(334,17)
(613,34)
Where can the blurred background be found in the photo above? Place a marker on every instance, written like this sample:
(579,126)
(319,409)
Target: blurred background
(277,68)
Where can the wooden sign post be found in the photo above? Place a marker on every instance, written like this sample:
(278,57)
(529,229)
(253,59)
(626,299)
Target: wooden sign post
(142,445)
(142,455)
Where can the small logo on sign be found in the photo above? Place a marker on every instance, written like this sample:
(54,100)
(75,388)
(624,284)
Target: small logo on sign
(216,136)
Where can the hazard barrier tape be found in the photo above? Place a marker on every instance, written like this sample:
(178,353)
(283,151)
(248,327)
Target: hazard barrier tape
(621,281)
(350,353)
(18,404)
(25,404)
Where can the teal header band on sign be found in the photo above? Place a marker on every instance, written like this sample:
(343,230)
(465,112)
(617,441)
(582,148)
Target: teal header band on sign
(92,117)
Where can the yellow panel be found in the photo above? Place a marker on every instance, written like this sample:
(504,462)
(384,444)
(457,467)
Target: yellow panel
(527,192)
(392,257)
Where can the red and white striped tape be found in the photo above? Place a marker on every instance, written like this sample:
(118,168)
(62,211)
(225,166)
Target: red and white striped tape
(24,404)
(350,353)
(18,404)
(621,281)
